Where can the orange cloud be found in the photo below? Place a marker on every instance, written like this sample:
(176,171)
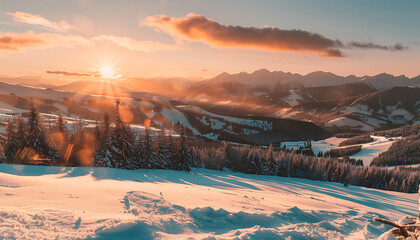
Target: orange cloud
(78,74)
(195,27)
(61,26)
(31,40)
(95,74)
(198,28)
(14,43)
(134,45)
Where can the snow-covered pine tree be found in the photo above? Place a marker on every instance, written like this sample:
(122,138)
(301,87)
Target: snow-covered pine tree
(60,125)
(284,166)
(198,162)
(193,158)
(242,161)
(21,132)
(145,149)
(103,136)
(253,165)
(59,139)
(173,149)
(258,159)
(78,141)
(183,158)
(270,163)
(121,147)
(36,139)
(11,145)
(231,156)
(220,160)
(163,150)
(97,134)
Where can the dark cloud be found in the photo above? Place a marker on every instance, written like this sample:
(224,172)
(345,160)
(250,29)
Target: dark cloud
(71,73)
(198,28)
(396,47)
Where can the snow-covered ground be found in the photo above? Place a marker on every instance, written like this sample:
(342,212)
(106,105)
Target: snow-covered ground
(38,202)
(317,146)
(367,154)
(373,149)
(350,123)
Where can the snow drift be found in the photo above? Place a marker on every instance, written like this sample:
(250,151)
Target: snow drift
(99,203)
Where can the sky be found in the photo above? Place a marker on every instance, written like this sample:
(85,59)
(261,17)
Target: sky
(201,39)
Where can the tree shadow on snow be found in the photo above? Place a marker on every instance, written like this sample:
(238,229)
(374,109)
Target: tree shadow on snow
(370,197)
(373,198)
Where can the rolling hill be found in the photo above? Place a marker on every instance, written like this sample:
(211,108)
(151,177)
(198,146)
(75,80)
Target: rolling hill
(162,112)
(361,104)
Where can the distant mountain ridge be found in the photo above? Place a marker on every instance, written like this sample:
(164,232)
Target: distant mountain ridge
(337,103)
(264,77)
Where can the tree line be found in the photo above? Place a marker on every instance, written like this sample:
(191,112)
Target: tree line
(288,163)
(117,145)
(405,151)
(356,140)
(106,145)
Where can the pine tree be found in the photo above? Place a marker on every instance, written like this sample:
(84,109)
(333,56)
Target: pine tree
(145,149)
(103,136)
(21,132)
(59,139)
(37,140)
(163,150)
(284,167)
(172,147)
(232,156)
(60,125)
(11,145)
(193,158)
(270,162)
(253,165)
(97,134)
(121,147)
(78,141)
(183,158)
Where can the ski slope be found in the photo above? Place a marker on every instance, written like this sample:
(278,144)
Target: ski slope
(373,149)
(38,202)
(369,150)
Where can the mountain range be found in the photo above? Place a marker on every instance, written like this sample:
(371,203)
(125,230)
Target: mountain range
(339,104)
(258,107)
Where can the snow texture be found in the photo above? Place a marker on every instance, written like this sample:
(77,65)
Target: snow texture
(39,202)
(367,154)
(350,123)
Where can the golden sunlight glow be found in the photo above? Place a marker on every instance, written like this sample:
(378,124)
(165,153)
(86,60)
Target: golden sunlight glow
(107,67)
(107,72)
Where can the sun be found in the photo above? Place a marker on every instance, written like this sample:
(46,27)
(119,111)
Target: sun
(107,72)
(107,68)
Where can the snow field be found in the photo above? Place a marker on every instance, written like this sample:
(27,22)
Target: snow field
(67,203)
(367,154)
(373,149)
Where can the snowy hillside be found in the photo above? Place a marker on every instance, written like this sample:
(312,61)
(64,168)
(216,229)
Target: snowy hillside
(161,112)
(60,203)
(349,107)
(368,152)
